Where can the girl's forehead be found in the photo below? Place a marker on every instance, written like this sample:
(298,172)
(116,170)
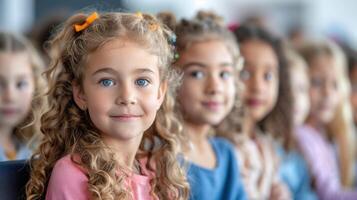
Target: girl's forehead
(15,61)
(122,56)
(8,56)
(213,51)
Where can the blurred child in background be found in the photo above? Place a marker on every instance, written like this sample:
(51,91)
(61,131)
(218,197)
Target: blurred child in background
(20,85)
(326,140)
(209,60)
(293,168)
(266,100)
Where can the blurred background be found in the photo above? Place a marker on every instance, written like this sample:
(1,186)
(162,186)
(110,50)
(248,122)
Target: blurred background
(335,19)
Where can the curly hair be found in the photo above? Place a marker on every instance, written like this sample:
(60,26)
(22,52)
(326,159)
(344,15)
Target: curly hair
(279,122)
(28,131)
(206,26)
(68,130)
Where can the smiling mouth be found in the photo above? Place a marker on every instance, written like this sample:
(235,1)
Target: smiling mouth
(212,105)
(254,102)
(9,111)
(126,117)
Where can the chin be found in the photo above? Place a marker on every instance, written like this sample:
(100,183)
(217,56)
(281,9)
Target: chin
(326,119)
(125,134)
(125,137)
(213,122)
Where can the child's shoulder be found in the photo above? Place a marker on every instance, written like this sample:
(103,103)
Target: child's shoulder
(68,180)
(222,144)
(65,165)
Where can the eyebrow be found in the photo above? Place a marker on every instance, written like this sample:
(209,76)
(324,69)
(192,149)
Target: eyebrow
(144,70)
(189,64)
(104,70)
(17,77)
(199,64)
(112,71)
(226,64)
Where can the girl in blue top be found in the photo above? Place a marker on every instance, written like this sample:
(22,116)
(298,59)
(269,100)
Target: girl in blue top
(293,168)
(209,59)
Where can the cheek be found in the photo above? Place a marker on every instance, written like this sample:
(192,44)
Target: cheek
(230,90)
(189,90)
(26,102)
(106,99)
(354,100)
(150,99)
(336,98)
(272,92)
(304,103)
(151,103)
(315,95)
(26,97)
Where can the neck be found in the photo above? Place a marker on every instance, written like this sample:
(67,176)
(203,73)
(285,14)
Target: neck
(197,133)
(125,150)
(5,135)
(249,127)
(311,121)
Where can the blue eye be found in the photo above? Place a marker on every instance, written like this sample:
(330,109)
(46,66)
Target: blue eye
(225,75)
(142,82)
(197,74)
(22,84)
(106,82)
(268,76)
(315,82)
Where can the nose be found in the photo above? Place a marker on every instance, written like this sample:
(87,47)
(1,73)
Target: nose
(8,93)
(328,89)
(126,95)
(214,84)
(256,84)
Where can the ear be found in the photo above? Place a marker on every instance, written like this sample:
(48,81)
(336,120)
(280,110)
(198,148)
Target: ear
(79,96)
(162,93)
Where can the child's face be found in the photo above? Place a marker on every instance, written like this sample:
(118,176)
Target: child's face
(260,77)
(208,90)
(324,92)
(353,79)
(121,90)
(300,89)
(16,88)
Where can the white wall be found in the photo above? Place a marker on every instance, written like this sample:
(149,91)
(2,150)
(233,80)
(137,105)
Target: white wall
(16,15)
(318,16)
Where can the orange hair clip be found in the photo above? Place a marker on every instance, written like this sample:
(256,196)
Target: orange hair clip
(140,15)
(90,19)
(153,26)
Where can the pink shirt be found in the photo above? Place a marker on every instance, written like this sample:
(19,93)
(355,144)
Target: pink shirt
(319,154)
(68,181)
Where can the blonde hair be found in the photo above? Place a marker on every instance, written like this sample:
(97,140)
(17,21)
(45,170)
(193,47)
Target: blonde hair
(294,60)
(68,130)
(206,26)
(28,130)
(340,129)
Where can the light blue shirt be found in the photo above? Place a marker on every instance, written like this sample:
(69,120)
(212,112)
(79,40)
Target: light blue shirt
(222,182)
(294,172)
(23,153)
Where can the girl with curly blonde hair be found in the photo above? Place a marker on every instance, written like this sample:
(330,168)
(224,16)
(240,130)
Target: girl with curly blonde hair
(210,61)
(110,131)
(20,85)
